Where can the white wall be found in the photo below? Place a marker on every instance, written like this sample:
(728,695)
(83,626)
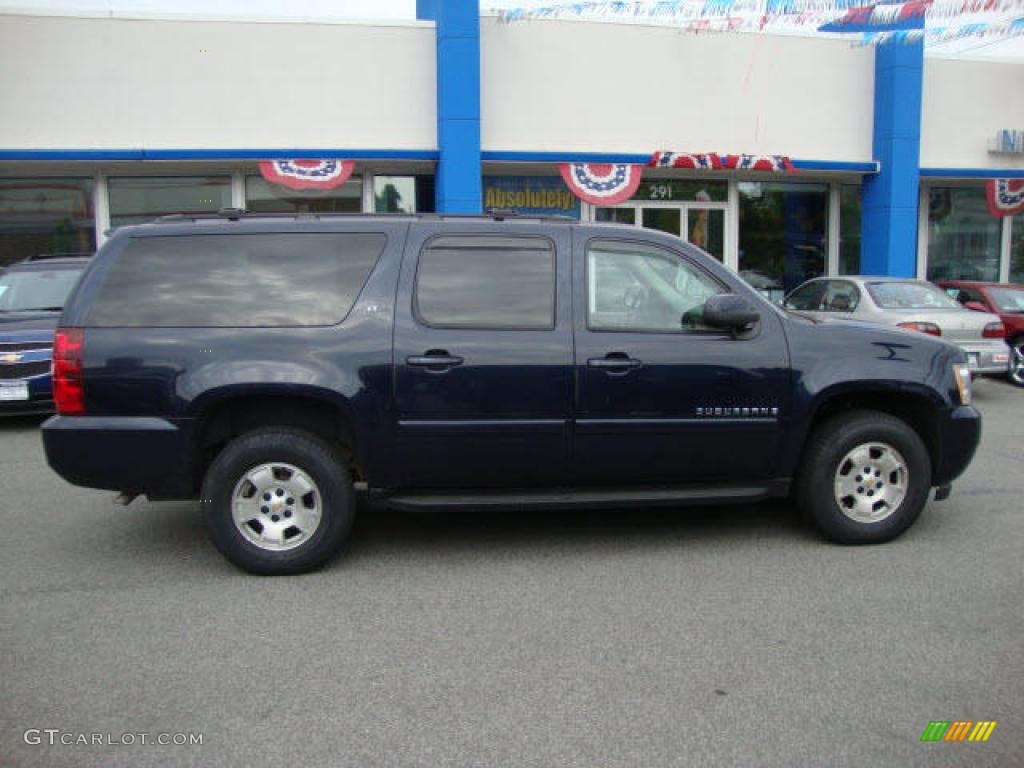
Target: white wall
(573,86)
(105,83)
(965,104)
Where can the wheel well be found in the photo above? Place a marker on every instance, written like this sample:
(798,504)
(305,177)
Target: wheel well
(230,418)
(917,411)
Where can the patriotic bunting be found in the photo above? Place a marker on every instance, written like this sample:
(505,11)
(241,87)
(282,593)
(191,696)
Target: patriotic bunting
(307,174)
(602,183)
(1005,196)
(933,21)
(712,161)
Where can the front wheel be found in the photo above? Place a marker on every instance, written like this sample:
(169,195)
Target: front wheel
(1016,373)
(865,478)
(278,501)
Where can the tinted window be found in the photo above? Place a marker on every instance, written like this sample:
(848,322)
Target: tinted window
(236,280)
(487,282)
(644,288)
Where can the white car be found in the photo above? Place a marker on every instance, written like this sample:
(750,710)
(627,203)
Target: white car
(913,304)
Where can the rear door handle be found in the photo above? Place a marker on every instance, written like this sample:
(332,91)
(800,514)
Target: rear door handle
(614,362)
(438,359)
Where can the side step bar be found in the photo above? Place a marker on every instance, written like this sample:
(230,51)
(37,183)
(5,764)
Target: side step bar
(593,498)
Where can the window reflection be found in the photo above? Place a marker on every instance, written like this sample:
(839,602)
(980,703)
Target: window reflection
(963,237)
(138,199)
(783,230)
(263,197)
(45,215)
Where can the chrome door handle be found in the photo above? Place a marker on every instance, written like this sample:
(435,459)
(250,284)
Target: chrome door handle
(614,363)
(440,360)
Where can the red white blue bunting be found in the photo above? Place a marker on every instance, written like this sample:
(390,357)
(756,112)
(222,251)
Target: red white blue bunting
(713,161)
(1005,196)
(602,183)
(307,174)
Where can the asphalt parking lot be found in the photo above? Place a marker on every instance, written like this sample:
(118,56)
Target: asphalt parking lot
(718,636)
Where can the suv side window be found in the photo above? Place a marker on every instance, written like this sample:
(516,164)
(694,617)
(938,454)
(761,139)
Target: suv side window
(641,287)
(486,282)
(240,281)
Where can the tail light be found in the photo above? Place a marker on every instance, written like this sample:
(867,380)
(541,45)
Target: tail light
(68,383)
(994,331)
(930,328)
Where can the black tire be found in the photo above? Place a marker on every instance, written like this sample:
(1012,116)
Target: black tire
(1016,372)
(306,452)
(829,445)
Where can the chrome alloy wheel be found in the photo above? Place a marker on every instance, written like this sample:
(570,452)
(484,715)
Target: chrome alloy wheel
(276,506)
(1017,364)
(871,482)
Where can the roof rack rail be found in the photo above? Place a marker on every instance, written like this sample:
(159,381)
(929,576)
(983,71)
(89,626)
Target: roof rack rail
(234,214)
(68,255)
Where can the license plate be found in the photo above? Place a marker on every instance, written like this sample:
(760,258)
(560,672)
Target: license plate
(972,359)
(13,390)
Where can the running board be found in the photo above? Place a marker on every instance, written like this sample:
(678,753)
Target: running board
(587,497)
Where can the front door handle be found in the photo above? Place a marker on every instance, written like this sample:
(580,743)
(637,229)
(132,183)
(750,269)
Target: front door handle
(436,359)
(614,362)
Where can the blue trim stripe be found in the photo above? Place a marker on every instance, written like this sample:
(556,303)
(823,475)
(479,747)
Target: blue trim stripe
(975,173)
(214,154)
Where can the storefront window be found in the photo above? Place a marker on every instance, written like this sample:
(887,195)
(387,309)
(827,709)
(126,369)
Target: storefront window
(263,197)
(849,230)
(616,215)
(963,237)
(45,215)
(1017,249)
(403,194)
(137,199)
(783,231)
(536,195)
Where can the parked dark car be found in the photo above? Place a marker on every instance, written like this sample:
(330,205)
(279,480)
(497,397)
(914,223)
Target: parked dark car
(273,367)
(1003,299)
(32,295)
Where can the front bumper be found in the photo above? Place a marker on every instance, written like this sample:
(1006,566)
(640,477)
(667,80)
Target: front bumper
(40,397)
(959,435)
(139,454)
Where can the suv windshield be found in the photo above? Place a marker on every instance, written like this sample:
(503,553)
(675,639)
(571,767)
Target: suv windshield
(1007,299)
(36,289)
(910,296)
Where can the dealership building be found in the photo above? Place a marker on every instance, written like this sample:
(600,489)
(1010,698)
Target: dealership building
(877,160)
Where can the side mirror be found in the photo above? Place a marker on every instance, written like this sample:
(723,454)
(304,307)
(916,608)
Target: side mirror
(730,312)
(977,306)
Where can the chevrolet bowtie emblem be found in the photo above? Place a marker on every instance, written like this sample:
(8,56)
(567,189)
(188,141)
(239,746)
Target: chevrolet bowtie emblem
(11,357)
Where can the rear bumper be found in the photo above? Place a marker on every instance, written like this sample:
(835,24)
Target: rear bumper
(140,454)
(992,356)
(959,435)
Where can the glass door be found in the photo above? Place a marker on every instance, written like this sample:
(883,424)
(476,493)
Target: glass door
(662,218)
(705,228)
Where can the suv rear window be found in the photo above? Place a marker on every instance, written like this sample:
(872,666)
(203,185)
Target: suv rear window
(254,280)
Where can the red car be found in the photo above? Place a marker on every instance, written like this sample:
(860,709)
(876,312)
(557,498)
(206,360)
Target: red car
(1002,299)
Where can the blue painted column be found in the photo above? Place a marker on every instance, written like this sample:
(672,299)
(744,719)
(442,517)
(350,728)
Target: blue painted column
(458,102)
(889,207)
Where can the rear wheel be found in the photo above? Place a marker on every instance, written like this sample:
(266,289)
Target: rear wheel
(865,478)
(278,501)
(1016,373)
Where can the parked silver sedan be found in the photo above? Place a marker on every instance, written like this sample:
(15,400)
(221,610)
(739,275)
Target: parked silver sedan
(913,304)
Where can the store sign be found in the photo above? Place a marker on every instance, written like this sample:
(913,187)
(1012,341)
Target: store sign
(538,195)
(1008,141)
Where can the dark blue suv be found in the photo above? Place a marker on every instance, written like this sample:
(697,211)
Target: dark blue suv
(273,367)
(32,295)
